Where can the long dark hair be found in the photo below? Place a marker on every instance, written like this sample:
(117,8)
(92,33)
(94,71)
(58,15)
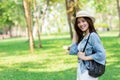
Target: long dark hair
(79,32)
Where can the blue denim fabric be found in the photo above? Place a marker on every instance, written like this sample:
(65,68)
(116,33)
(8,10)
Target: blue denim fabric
(73,49)
(94,44)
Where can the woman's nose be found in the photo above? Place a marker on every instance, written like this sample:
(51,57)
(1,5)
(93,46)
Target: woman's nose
(80,24)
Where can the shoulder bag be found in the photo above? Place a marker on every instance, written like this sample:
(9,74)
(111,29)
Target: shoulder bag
(95,69)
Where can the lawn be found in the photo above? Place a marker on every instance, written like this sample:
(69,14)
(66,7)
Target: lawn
(52,62)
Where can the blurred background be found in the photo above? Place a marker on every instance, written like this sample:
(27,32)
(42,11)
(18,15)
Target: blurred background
(34,34)
(20,17)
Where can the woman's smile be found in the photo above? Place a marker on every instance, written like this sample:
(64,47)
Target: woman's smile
(82,24)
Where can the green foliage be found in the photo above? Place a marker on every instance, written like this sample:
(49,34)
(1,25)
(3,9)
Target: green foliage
(100,4)
(11,12)
(51,62)
(57,1)
(102,25)
(6,12)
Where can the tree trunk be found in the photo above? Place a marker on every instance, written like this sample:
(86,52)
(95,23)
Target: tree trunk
(44,13)
(71,9)
(27,8)
(37,24)
(118,7)
(10,31)
(68,18)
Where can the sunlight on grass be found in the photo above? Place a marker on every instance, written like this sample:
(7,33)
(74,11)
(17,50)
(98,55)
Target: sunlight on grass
(46,62)
(51,62)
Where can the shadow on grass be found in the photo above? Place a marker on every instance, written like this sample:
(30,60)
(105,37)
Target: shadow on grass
(112,46)
(54,47)
(14,46)
(21,46)
(16,74)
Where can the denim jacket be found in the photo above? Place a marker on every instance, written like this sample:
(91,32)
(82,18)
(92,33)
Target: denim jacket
(94,44)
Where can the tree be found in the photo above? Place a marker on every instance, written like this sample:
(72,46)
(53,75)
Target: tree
(27,8)
(6,16)
(44,13)
(71,9)
(37,23)
(118,7)
(11,15)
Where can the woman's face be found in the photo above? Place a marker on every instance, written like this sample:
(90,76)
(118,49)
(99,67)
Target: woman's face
(83,24)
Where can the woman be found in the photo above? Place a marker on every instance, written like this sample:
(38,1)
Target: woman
(84,26)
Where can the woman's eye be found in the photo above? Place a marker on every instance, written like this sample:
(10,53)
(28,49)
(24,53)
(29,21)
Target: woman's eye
(83,20)
(78,22)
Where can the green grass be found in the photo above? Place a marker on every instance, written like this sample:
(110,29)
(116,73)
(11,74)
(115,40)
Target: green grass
(51,62)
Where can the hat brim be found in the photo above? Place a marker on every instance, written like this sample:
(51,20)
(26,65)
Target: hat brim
(92,18)
(83,13)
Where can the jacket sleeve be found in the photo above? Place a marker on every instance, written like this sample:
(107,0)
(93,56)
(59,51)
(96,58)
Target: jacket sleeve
(73,49)
(99,55)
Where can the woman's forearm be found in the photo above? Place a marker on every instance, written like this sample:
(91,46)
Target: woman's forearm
(88,58)
(74,40)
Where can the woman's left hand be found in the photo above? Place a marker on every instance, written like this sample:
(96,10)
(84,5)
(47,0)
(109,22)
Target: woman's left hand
(81,55)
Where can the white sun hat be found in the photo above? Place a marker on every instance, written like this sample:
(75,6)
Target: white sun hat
(83,13)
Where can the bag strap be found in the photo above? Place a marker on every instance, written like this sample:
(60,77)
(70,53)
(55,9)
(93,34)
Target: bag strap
(86,43)
(85,46)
